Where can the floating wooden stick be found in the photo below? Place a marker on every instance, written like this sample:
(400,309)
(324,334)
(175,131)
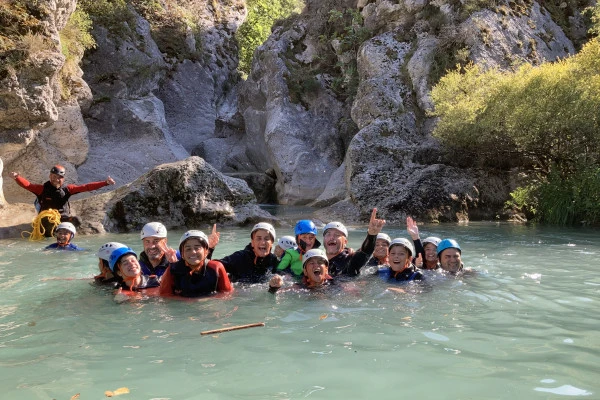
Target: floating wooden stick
(233,328)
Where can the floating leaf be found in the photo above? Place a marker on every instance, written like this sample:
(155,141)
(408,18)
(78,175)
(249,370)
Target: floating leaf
(117,392)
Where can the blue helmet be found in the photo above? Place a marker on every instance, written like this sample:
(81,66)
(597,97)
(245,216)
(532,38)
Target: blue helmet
(447,244)
(116,255)
(305,226)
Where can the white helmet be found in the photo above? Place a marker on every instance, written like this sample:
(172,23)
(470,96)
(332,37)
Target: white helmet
(193,234)
(153,229)
(336,225)
(431,239)
(384,236)
(404,243)
(267,227)
(68,226)
(312,253)
(287,242)
(106,249)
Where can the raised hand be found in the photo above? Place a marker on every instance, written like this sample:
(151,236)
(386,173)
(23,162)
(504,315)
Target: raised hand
(169,252)
(412,228)
(213,238)
(419,261)
(375,224)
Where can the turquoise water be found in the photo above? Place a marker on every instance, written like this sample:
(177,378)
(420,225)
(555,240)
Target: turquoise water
(525,327)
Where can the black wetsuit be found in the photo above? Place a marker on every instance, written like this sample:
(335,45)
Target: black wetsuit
(408,274)
(244,266)
(349,262)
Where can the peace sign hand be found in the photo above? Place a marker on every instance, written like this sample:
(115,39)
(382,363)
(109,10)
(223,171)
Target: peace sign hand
(375,224)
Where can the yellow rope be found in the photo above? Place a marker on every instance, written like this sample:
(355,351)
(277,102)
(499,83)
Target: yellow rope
(38,229)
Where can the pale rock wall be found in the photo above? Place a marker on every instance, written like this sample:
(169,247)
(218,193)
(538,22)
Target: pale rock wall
(39,128)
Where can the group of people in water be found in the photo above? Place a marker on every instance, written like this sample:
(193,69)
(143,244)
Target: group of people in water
(292,261)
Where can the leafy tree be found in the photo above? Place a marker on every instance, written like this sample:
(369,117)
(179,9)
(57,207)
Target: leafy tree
(262,14)
(547,117)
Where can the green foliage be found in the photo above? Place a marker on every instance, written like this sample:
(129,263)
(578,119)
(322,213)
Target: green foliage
(22,32)
(547,118)
(549,114)
(347,28)
(262,15)
(114,15)
(75,39)
(562,198)
(594,13)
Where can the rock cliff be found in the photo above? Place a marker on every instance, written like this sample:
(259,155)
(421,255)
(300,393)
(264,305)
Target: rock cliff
(333,112)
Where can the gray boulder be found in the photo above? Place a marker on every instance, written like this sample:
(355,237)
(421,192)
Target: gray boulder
(185,194)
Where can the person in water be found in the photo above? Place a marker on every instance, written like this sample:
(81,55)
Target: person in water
(306,237)
(255,261)
(449,256)
(106,276)
(64,233)
(427,247)
(153,259)
(400,266)
(284,243)
(54,194)
(343,260)
(194,275)
(315,272)
(125,267)
(380,254)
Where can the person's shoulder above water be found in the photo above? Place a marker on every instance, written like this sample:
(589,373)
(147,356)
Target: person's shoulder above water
(64,233)
(450,258)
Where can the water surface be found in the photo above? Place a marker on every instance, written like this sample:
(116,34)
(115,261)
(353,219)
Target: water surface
(524,327)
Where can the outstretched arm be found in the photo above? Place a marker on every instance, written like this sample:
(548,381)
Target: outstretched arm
(25,184)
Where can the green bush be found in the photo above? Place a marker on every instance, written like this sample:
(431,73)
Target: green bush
(262,15)
(75,39)
(546,117)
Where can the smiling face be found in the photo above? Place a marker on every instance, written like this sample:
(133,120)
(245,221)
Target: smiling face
(335,242)
(315,271)
(129,267)
(153,247)
(399,258)
(450,260)
(381,249)
(63,236)
(308,238)
(261,242)
(430,253)
(56,180)
(194,252)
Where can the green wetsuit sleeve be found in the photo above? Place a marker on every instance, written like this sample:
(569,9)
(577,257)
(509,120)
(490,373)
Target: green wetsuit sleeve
(286,261)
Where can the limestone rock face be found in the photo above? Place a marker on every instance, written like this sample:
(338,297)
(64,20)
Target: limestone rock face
(39,127)
(186,194)
(497,40)
(392,163)
(298,141)
(152,108)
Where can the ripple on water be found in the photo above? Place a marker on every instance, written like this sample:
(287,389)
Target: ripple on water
(565,390)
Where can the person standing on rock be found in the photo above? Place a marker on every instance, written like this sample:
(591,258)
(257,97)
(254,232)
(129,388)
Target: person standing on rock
(54,194)
(343,260)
